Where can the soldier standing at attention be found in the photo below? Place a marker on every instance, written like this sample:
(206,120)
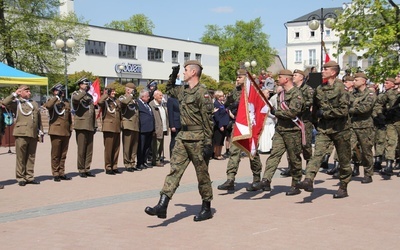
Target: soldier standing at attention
(287,137)
(111,127)
(130,126)
(28,126)
(232,104)
(60,128)
(85,126)
(194,141)
(362,123)
(331,106)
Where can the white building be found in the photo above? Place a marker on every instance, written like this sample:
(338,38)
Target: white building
(303,45)
(141,57)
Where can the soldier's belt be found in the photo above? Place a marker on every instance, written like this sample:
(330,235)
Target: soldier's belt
(191,128)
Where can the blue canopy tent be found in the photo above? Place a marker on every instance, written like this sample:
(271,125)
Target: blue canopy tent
(9,75)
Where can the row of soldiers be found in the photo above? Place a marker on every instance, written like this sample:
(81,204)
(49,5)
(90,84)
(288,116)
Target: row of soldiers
(347,115)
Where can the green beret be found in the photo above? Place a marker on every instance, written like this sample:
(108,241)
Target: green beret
(330,64)
(360,74)
(348,78)
(193,62)
(130,85)
(299,72)
(389,79)
(285,72)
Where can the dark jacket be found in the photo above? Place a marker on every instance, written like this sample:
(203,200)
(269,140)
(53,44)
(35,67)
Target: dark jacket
(146,118)
(221,117)
(174,115)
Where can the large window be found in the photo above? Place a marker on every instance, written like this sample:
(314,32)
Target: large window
(95,47)
(175,55)
(312,57)
(127,51)
(298,58)
(187,56)
(155,54)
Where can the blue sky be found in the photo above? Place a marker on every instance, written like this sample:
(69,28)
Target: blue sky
(187,19)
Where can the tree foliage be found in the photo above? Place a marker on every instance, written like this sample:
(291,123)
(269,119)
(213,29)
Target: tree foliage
(238,43)
(137,23)
(373,28)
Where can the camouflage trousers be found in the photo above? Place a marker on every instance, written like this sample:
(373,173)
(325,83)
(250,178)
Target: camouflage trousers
(234,160)
(392,139)
(290,142)
(342,143)
(355,148)
(365,138)
(183,153)
(380,141)
(307,149)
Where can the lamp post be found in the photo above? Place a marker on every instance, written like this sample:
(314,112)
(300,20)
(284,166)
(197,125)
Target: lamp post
(251,64)
(121,67)
(318,21)
(64,45)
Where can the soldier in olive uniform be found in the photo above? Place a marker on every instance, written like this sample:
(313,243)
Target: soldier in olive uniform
(362,123)
(111,127)
(391,112)
(331,104)
(60,128)
(28,126)
(130,127)
(287,137)
(232,103)
(194,141)
(85,126)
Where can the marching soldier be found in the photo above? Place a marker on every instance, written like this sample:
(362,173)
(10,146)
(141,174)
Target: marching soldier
(111,127)
(60,128)
(130,127)
(28,129)
(85,126)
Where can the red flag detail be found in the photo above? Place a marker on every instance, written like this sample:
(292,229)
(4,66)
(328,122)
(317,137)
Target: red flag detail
(250,118)
(95,91)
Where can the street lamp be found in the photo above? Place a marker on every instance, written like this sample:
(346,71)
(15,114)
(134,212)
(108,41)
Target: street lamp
(251,64)
(121,67)
(318,21)
(64,45)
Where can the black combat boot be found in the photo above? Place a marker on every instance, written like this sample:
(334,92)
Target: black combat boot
(335,168)
(227,185)
(356,169)
(325,161)
(307,185)
(253,186)
(397,165)
(263,185)
(205,212)
(160,209)
(378,163)
(286,172)
(388,170)
(342,191)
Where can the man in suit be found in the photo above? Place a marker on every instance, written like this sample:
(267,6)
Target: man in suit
(130,126)
(174,118)
(85,126)
(28,126)
(146,127)
(111,127)
(161,127)
(60,128)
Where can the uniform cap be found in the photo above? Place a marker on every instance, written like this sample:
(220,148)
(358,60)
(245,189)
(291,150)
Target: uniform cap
(82,80)
(360,74)
(57,86)
(241,72)
(130,85)
(285,72)
(299,72)
(193,62)
(348,78)
(389,79)
(330,64)
(24,87)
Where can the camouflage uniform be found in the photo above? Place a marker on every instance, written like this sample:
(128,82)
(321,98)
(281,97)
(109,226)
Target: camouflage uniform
(306,117)
(196,109)
(392,122)
(380,127)
(333,126)
(287,137)
(362,124)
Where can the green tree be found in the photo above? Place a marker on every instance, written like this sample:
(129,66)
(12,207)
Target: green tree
(373,27)
(238,43)
(137,23)
(28,31)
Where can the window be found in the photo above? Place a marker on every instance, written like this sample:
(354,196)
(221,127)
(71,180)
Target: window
(311,57)
(95,47)
(312,33)
(298,58)
(186,56)
(154,54)
(175,56)
(127,51)
(297,35)
(353,61)
(327,32)
(198,57)
(370,61)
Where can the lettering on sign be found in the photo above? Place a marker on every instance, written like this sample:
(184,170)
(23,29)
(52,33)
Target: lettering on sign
(128,68)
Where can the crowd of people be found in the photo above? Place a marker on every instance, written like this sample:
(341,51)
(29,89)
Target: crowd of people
(350,115)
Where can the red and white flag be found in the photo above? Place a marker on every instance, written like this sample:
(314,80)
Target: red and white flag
(95,91)
(250,118)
